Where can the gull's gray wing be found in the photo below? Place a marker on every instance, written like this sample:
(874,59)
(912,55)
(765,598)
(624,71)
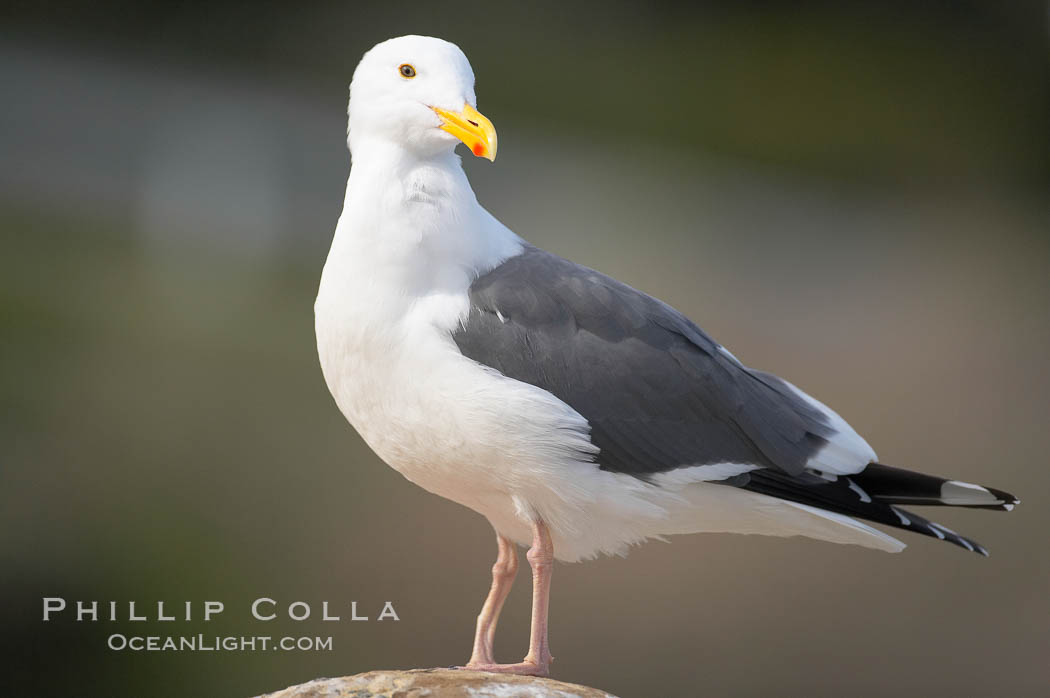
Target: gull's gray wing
(658,392)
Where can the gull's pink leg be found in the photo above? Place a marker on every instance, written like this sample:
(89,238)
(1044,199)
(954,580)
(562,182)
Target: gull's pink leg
(537,661)
(503,573)
(541,558)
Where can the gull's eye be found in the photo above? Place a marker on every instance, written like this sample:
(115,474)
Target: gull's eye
(407,71)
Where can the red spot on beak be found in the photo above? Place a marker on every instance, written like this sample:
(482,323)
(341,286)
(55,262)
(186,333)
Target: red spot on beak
(479,150)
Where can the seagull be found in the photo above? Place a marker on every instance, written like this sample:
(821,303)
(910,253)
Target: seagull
(579,415)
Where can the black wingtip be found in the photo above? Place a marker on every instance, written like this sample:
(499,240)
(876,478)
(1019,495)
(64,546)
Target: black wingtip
(910,521)
(899,486)
(950,536)
(1008,501)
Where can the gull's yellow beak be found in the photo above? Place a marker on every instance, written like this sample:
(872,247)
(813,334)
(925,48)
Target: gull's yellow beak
(471,127)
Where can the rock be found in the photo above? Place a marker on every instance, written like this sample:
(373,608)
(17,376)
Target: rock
(437,683)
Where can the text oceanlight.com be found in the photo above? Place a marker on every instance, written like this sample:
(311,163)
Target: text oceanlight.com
(203,643)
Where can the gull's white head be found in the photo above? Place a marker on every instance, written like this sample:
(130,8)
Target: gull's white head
(418,92)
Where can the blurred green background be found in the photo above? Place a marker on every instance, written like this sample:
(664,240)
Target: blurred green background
(852,195)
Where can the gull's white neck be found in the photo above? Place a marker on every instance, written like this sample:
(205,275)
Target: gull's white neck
(410,241)
(413,223)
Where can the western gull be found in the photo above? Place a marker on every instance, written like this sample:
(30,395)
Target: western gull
(578,415)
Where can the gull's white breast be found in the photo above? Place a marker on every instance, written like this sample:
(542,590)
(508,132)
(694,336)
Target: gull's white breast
(501,447)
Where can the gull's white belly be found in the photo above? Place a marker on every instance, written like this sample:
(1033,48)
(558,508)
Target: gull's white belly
(453,427)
